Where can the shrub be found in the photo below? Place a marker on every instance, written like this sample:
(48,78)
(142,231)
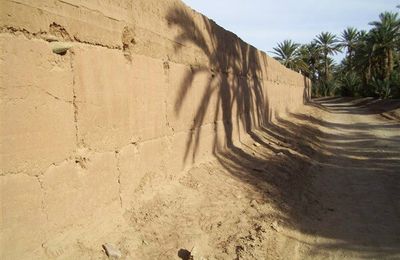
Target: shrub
(349,85)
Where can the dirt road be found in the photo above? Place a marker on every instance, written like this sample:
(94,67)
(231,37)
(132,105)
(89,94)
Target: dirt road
(321,183)
(356,187)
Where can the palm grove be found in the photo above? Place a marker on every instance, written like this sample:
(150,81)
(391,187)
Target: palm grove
(371,66)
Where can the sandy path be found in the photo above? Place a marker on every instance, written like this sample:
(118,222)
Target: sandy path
(357,186)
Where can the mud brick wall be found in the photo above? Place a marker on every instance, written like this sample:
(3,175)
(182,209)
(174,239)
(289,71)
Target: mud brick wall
(146,89)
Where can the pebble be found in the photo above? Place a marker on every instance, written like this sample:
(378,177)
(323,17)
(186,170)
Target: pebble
(60,47)
(253,203)
(112,251)
(275,226)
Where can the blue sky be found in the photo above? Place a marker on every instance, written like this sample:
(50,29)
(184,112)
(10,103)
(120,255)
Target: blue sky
(264,23)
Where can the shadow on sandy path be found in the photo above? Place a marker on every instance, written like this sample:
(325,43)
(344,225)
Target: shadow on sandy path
(337,177)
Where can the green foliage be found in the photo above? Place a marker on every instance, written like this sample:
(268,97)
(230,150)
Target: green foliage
(387,88)
(382,88)
(395,84)
(325,89)
(349,40)
(349,85)
(328,43)
(288,54)
(371,66)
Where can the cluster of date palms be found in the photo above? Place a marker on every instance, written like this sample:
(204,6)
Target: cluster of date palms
(371,66)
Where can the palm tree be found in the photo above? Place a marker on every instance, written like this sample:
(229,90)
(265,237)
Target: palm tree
(372,58)
(328,44)
(287,53)
(366,58)
(385,34)
(311,56)
(349,40)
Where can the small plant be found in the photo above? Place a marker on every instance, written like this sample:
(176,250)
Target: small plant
(382,88)
(325,89)
(349,85)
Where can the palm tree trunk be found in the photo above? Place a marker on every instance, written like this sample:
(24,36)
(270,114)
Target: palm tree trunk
(350,58)
(368,78)
(398,61)
(326,67)
(364,79)
(389,68)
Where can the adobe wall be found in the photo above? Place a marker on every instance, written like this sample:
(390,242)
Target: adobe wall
(148,89)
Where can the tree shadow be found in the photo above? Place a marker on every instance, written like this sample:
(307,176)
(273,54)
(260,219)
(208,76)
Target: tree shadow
(235,68)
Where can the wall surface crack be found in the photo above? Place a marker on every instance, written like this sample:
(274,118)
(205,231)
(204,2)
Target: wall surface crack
(119,178)
(74,101)
(44,35)
(43,202)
